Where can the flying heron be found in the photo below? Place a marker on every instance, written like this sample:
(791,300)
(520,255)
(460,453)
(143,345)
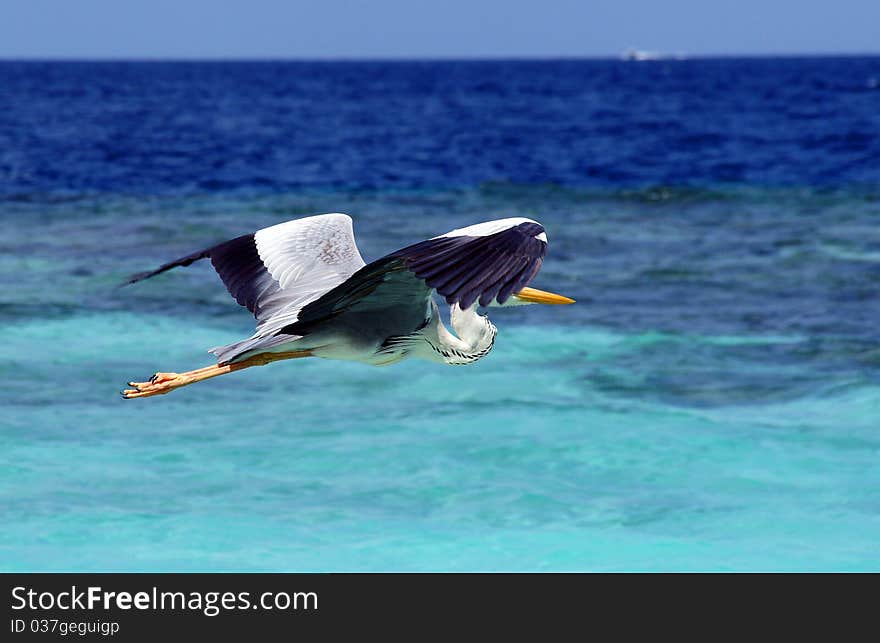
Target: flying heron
(313,295)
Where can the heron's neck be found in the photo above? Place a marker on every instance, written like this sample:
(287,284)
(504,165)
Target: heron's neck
(473,339)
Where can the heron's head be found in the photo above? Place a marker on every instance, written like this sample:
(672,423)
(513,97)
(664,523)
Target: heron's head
(535,296)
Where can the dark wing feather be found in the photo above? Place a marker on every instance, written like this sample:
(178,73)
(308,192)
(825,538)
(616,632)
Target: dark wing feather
(465,269)
(239,265)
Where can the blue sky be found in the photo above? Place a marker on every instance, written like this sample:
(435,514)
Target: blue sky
(436,28)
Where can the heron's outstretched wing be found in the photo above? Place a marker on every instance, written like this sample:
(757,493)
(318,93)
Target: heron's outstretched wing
(486,262)
(277,270)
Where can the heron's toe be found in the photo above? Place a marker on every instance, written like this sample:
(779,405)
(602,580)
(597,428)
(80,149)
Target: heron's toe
(158,384)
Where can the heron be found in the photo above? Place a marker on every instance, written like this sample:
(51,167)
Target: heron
(313,295)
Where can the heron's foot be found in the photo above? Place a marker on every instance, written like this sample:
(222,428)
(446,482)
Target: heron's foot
(159,384)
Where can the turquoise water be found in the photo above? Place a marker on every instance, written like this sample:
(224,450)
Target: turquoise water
(573,446)
(519,463)
(712,402)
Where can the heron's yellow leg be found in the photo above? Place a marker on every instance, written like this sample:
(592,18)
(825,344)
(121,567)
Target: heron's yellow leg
(162,383)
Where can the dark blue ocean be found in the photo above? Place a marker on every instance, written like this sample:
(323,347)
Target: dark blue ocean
(712,402)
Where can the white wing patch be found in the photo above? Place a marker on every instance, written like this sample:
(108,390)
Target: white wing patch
(325,242)
(307,257)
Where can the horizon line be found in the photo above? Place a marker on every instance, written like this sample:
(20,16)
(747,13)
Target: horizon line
(654,56)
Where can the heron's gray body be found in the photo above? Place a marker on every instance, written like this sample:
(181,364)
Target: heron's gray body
(383,333)
(309,289)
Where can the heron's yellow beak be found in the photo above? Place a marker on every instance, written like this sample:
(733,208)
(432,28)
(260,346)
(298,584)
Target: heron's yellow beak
(535,296)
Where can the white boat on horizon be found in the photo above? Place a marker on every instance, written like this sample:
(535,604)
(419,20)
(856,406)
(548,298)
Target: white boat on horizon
(642,54)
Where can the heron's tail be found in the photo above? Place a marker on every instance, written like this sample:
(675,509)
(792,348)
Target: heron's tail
(239,351)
